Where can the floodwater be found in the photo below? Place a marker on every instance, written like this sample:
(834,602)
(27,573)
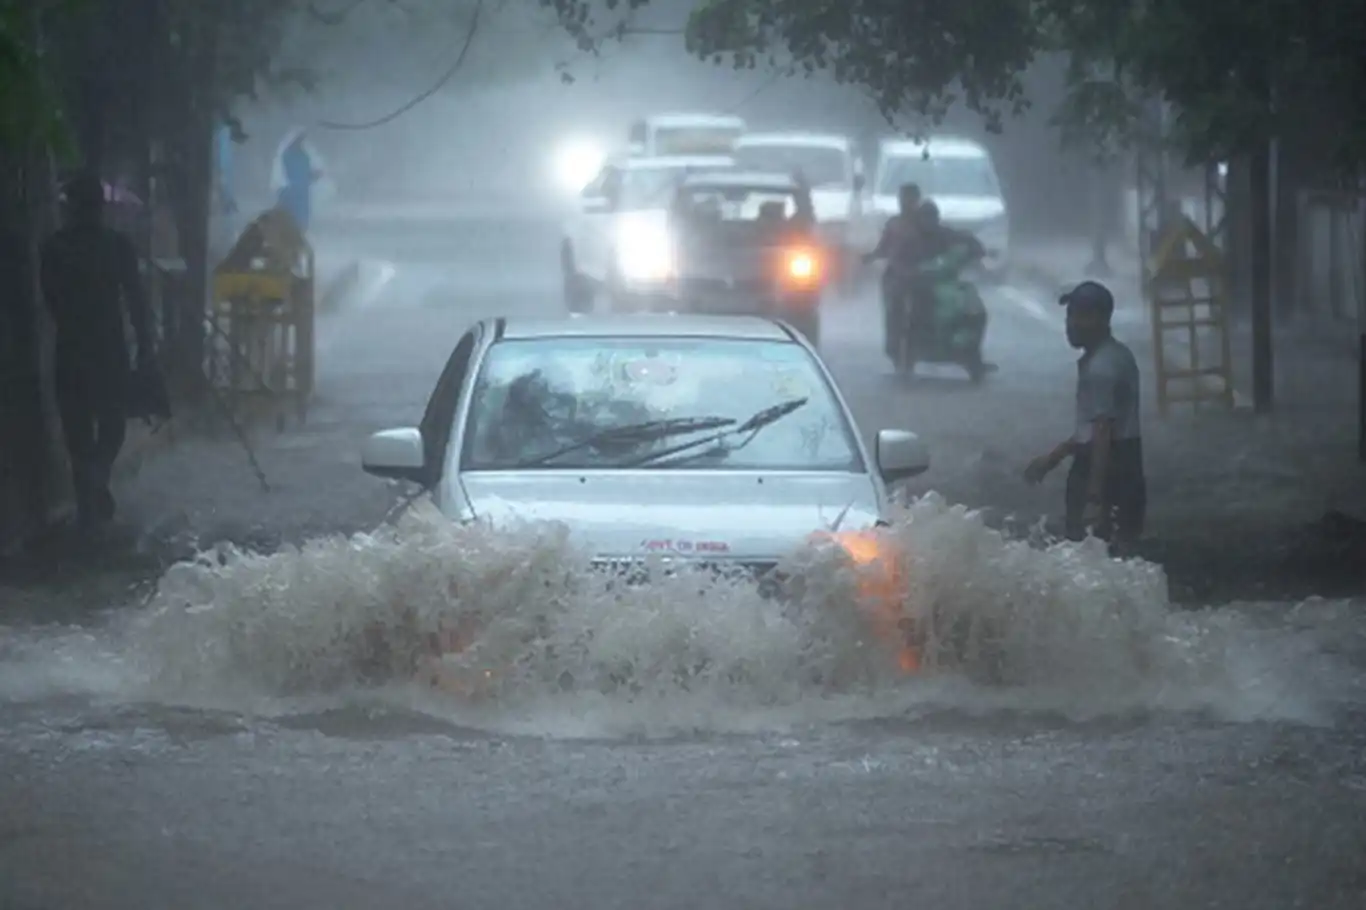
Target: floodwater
(247,737)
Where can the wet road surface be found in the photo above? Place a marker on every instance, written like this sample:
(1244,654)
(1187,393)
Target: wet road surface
(1044,794)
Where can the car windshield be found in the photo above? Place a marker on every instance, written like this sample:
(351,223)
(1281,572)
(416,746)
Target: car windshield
(701,205)
(821,166)
(938,176)
(695,140)
(645,188)
(601,403)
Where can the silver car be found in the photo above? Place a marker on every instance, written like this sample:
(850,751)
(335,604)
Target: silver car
(720,443)
(722,439)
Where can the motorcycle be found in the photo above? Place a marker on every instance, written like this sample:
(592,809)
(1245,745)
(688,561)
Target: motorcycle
(950,325)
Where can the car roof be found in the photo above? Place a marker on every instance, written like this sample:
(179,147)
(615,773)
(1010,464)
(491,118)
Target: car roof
(666,162)
(941,146)
(822,140)
(757,180)
(683,118)
(646,325)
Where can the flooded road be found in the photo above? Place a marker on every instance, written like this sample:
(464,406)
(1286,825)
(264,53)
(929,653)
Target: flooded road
(224,744)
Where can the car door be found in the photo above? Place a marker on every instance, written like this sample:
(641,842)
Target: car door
(576,223)
(599,219)
(438,420)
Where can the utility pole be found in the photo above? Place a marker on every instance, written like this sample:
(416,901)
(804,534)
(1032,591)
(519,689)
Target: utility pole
(1361,352)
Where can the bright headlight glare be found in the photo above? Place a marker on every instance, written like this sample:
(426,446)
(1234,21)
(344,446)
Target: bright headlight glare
(577,162)
(645,257)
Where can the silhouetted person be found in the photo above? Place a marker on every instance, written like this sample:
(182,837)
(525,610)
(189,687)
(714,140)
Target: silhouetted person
(1106,489)
(90,278)
(899,244)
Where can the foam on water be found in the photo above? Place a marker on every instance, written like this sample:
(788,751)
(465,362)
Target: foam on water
(565,652)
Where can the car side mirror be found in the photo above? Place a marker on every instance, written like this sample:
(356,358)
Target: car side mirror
(901,455)
(395,454)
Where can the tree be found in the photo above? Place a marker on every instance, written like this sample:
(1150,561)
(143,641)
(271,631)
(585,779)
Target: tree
(1230,71)
(31,109)
(916,57)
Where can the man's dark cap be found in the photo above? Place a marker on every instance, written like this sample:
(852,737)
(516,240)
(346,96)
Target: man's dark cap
(1090,296)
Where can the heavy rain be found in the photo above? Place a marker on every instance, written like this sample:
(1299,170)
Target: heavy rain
(529,454)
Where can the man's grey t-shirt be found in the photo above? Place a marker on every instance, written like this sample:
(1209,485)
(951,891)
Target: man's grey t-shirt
(1108,389)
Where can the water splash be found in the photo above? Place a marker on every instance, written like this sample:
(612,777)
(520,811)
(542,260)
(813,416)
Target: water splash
(565,650)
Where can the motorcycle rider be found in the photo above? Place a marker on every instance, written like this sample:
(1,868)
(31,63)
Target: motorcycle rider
(938,239)
(900,246)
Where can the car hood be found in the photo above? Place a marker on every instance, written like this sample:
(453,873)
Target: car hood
(711,515)
(953,209)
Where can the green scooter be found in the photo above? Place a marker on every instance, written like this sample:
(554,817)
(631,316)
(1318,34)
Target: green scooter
(951,325)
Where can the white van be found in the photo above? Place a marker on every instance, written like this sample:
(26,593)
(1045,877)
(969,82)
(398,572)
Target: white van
(684,134)
(959,176)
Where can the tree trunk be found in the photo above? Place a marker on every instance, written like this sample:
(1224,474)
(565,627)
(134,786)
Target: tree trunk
(192,226)
(1261,227)
(1286,183)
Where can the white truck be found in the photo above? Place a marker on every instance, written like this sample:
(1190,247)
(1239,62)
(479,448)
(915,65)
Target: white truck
(679,134)
(833,170)
(616,243)
(959,176)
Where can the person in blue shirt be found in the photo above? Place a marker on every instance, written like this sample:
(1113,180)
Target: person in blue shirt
(300,176)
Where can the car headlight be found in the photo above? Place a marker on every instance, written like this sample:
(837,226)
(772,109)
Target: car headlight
(882,589)
(644,255)
(802,267)
(576,163)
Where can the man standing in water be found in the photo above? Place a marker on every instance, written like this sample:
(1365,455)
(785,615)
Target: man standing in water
(1106,490)
(90,277)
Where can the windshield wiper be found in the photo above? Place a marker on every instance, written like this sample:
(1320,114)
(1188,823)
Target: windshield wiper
(649,431)
(715,443)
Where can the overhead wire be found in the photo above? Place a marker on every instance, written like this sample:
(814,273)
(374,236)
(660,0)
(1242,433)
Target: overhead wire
(437,86)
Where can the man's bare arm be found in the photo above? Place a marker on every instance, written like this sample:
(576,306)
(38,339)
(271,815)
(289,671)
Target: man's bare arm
(883,242)
(1061,452)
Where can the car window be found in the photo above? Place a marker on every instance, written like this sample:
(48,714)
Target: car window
(821,166)
(611,185)
(644,188)
(938,176)
(535,396)
(695,140)
(593,189)
(701,204)
(439,418)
